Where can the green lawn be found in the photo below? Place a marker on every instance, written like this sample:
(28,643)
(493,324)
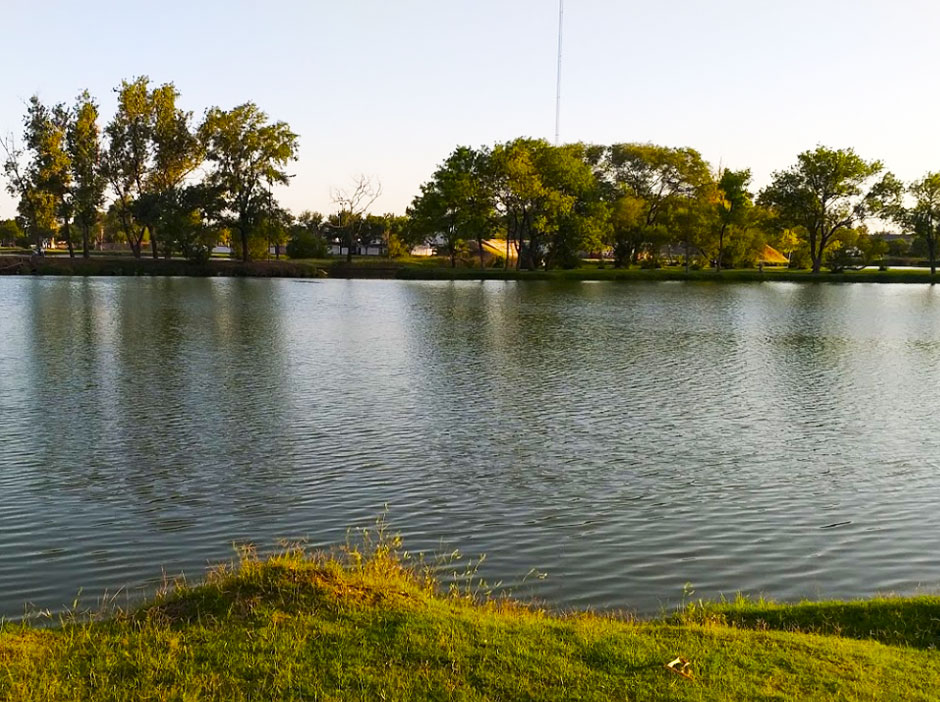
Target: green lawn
(438,268)
(300,627)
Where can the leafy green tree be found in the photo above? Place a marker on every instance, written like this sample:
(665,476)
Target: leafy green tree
(126,162)
(457,203)
(190,217)
(33,205)
(855,249)
(39,172)
(248,157)
(176,152)
(274,227)
(826,192)
(305,239)
(899,248)
(657,184)
(734,206)
(585,227)
(433,220)
(84,149)
(11,234)
(152,148)
(922,218)
(536,188)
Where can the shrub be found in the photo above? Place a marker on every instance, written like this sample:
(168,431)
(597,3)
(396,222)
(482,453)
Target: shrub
(306,244)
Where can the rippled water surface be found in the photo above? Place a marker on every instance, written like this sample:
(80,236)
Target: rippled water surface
(623,439)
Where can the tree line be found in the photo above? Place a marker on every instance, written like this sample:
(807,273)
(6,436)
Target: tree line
(173,183)
(153,177)
(554,205)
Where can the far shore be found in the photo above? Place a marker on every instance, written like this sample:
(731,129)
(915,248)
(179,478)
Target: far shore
(430,269)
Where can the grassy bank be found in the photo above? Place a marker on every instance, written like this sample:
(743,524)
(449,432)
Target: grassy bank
(420,268)
(437,269)
(370,628)
(130,266)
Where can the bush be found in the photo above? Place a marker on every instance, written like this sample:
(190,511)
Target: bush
(306,244)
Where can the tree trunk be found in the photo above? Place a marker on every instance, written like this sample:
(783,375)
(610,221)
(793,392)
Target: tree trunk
(243,233)
(932,250)
(153,243)
(721,247)
(68,239)
(277,251)
(85,241)
(480,246)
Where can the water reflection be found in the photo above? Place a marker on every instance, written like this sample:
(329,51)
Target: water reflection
(625,439)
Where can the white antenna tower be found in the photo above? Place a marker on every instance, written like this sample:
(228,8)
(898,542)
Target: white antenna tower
(561,15)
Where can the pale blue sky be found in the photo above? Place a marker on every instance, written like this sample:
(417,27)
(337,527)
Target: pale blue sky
(389,88)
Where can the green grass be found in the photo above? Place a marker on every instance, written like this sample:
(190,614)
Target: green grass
(431,268)
(369,626)
(438,268)
(128,266)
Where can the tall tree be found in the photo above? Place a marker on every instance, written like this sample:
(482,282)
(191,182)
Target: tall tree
(457,203)
(733,204)
(826,192)
(248,157)
(84,148)
(38,172)
(657,183)
(536,190)
(126,161)
(176,152)
(922,217)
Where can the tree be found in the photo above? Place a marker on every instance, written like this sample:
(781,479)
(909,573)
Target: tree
(305,239)
(38,173)
(274,226)
(734,205)
(10,233)
(189,216)
(31,203)
(826,192)
(354,204)
(126,161)
(84,149)
(657,183)
(176,152)
(434,219)
(922,218)
(536,189)
(248,156)
(456,204)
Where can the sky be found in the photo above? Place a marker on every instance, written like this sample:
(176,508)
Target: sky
(388,89)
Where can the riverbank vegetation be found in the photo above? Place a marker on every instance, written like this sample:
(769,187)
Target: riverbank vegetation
(153,180)
(369,624)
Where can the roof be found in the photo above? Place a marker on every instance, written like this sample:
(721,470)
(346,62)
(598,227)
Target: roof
(771,255)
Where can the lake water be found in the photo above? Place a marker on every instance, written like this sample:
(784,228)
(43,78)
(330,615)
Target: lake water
(624,439)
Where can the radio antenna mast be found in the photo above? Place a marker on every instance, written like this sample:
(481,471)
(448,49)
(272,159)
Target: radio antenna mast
(561,15)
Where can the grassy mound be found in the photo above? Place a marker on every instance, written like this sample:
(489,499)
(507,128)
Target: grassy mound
(355,627)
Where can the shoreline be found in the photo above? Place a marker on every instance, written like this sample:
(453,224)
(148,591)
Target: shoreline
(371,624)
(111,266)
(107,266)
